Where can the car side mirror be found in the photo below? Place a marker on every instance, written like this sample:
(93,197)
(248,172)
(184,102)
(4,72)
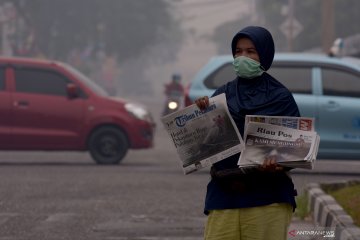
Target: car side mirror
(72,90)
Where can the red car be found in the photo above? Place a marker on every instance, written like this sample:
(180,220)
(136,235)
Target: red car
(48,105)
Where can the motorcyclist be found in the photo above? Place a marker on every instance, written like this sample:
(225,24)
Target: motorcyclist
(174,87)
(174,91)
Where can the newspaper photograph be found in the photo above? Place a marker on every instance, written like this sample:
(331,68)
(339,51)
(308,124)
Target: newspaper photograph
(292,147)
(202,138)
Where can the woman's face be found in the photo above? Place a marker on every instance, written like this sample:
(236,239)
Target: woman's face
(245,47)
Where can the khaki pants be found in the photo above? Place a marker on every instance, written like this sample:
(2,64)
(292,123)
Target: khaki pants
(269,222)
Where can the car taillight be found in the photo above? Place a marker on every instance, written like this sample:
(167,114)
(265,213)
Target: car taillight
(187,99)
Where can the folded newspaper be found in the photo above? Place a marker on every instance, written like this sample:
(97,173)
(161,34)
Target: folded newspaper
(291,139)
(202,138)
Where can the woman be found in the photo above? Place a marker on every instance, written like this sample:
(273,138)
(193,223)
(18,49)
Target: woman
(258,204)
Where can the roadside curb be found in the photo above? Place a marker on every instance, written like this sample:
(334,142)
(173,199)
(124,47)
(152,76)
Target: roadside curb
(326,212)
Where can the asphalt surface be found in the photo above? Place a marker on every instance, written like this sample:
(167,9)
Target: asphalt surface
(65,195)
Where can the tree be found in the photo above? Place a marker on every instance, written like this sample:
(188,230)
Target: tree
(308,14)
(124,28)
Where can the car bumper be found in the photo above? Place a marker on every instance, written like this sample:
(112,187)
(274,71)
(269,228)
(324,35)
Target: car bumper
(142,135)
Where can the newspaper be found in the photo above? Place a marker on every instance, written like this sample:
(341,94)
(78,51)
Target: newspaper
(202,138)
(292,139)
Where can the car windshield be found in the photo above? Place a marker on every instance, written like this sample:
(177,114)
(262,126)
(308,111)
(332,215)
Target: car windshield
(87,81)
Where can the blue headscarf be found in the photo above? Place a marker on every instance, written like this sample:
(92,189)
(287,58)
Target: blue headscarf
(262,41)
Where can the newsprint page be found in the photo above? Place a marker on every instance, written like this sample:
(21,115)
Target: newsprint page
(292,140)
(202,138)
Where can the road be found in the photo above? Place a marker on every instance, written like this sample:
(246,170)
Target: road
(46,196)
(64,195)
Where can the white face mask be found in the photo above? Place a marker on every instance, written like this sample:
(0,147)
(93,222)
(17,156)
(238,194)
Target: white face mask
(247,68)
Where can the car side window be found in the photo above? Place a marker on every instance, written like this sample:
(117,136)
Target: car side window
(337,82)
(221,76)
(2,79)
(296,79)
(40,82)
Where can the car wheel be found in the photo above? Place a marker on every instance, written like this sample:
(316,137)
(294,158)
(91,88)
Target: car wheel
(108,145)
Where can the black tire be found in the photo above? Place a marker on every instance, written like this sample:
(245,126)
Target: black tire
(108,145)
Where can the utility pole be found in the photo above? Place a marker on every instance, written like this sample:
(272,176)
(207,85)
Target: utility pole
(327,20)
(290,39)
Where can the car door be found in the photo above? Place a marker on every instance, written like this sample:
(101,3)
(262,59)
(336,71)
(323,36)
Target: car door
(5,110)
(299,79)
(44,117)
(339,112)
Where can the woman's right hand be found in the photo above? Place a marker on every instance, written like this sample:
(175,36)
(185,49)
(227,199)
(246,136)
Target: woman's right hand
(270,164)
(202,102)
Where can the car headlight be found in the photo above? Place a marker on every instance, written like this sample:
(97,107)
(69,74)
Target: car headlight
(138,111)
